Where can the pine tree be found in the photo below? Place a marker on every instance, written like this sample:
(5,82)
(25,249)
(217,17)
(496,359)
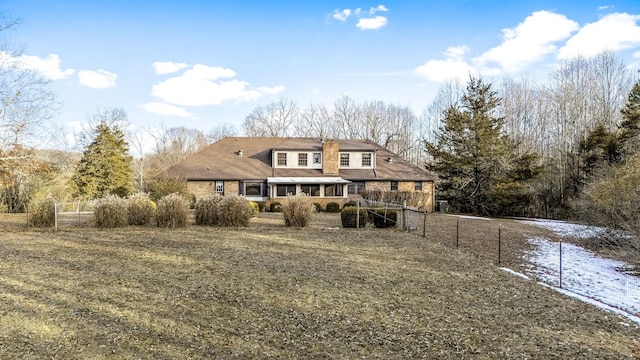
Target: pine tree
(105,167)
(629,128)
(479,170)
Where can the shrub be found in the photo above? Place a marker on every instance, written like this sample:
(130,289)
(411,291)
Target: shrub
(166,186)
(275,207)
(349,203)
(172,211)
(350,215)
(207,210)
(261,206)
(385,218)
(42,212)
(111,212)
(234,210)
(140,209)
(318,206)
(333,207)
(297,211)
(255,207)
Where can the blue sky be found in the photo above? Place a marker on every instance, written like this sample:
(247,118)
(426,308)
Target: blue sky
(201,64)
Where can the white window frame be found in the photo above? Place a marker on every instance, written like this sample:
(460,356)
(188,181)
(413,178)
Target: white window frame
(219,186)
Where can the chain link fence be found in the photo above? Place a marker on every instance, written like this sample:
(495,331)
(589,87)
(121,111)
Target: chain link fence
(79,213)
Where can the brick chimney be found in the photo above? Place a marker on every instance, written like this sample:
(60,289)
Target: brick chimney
(330,157)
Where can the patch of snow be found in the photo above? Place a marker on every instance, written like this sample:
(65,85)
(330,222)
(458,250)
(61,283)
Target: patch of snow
(585,274)
(515,273)
(469,217)
(564,228)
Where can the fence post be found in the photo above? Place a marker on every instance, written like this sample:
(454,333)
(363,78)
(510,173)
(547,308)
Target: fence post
(560,264)
(358,215)
(499,244)
(404,216)
(78,212)
(55,215)
(457,231)
(424,225)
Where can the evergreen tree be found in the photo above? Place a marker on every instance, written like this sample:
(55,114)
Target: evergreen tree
(629,128)
(479,170)
(600,148)
(105,167)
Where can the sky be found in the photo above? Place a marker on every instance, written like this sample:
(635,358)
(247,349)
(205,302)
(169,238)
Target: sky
(202,64)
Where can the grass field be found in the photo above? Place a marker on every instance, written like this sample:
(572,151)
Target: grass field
(271,292)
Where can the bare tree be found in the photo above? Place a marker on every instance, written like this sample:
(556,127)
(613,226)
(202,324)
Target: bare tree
(275,119)
(221,131)
(316,121)
(347,114)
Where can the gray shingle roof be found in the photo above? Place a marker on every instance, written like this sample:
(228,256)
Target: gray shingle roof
(221,161)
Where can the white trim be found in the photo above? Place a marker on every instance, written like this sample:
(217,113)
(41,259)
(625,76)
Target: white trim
(307,180)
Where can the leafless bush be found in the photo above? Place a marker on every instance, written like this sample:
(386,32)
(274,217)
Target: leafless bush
(141,209)
(297,211)
(207,210)
(110,212)
(413,198)
(234,210)
(42,212)
(172,211)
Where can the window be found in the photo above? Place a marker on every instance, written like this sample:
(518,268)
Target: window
(284,190)
(317,158)
(366,159)
(356,187)
(282,159)
(302,159)
(220,187)
(344,159)
(394,185)
(311,190)
(255,189)
(333,190)
(417,186)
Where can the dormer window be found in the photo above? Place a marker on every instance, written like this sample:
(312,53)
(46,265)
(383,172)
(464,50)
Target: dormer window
(282,159)
(317,158)
(344,159)
(366,160)
(302,159)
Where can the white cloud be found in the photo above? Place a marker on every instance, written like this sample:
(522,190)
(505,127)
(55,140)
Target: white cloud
(99,79)
(341,15)
(166,109)
(613,32)
(48,67)
(373,23)
(382,8)
(168,67)
(453,67)
(369,22)
(528,42)
(605,7)
(636,55)
(204,85)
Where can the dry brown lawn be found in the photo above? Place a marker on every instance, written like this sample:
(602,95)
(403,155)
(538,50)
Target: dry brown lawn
(271,292)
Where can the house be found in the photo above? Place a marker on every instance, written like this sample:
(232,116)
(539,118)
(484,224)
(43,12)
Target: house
(270,168)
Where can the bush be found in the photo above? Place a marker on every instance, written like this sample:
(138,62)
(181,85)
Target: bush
(297,211)
(255,207)
(172,211)
(234,210)
(275,207)
(140,209)
(111,212)
(318,206)
(42,212)
(333,207)
(385,218)
(261,206)
(349,203)
(350,215)
(166,186)
(207,210)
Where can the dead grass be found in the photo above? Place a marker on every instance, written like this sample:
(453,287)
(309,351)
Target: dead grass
(268,291)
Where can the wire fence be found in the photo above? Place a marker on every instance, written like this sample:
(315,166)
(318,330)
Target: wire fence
(79,213)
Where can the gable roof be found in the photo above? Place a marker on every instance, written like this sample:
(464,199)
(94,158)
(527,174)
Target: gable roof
(222,161)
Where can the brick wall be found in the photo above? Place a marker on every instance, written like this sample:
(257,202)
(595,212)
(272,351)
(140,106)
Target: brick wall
(330,157)
(231,187)
(201,189)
